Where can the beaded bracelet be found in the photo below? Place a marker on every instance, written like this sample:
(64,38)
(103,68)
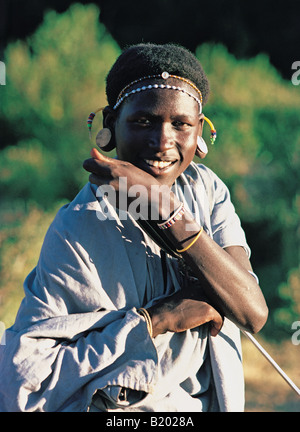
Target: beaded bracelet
(148,320)
(172,219)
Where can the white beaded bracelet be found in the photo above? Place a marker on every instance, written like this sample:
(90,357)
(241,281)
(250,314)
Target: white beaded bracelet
(172,219)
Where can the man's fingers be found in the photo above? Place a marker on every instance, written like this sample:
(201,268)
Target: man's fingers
(99,156)
(216,325)
(97,167)
(94,179)
(98,163)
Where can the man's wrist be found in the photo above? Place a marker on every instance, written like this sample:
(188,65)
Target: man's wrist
(158,319)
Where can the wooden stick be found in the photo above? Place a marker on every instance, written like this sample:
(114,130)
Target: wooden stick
(272,361)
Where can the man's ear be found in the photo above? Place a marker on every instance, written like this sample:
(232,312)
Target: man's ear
(109,117)
(201,149)
(201,124)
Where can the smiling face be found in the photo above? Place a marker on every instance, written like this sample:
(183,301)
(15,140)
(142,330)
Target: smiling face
(156,130)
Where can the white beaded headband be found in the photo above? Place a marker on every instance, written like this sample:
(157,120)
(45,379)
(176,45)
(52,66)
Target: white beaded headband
(165,75)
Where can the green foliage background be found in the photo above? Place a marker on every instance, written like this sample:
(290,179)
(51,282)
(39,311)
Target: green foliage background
(57,77)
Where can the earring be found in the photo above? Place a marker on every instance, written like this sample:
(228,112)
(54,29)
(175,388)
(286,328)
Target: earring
(103,137)
(213,132)
(201,145)
(90,120)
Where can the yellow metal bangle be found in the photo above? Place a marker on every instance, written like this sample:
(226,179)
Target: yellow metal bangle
(192,242)
(145,314)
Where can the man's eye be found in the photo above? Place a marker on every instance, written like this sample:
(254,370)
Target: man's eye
(143,122)
(180,124)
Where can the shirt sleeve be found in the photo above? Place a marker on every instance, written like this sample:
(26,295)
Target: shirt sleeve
(225,223)
(69,340)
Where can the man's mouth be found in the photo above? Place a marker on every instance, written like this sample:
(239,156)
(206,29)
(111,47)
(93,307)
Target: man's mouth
(159,163)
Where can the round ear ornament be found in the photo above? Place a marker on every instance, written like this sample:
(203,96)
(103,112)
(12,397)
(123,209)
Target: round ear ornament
(201,145)
(103,138)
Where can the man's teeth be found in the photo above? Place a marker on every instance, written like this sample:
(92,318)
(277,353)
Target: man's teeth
(158,164)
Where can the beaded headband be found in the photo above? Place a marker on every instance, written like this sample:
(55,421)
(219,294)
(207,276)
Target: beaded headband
(165,75)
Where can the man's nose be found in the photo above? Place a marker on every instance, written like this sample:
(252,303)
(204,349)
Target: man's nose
(162,138)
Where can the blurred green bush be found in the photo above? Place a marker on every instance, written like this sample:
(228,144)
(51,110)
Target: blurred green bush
(54,80)
(57,77)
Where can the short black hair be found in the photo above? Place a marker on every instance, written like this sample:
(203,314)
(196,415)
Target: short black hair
(145,59)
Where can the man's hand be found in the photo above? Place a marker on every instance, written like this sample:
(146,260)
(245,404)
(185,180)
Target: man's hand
(130,183)
(106,170)
(186,309)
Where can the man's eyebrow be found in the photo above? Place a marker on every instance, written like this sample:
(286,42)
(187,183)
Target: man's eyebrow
(147,113)
(142,113)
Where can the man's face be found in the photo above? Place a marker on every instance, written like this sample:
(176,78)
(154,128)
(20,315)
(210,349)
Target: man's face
(156,130)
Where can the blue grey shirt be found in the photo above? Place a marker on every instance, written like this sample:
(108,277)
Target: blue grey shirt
(78,343)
